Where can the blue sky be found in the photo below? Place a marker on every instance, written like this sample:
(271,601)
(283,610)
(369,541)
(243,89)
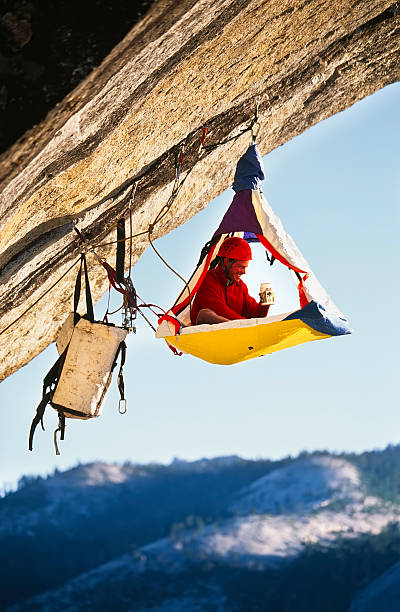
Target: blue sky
(336,188)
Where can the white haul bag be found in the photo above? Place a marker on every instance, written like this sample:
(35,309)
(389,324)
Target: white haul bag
(87,370)
(77,383)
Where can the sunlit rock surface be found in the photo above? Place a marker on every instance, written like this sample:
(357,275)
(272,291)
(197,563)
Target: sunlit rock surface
(308,484)
(186,65)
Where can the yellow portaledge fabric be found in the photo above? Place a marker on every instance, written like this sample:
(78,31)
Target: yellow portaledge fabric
(228,346)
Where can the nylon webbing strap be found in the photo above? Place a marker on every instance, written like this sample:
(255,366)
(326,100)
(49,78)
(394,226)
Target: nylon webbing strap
(38,418)
(206,248)
(61,429)
(89,301)
(112,277)
(49,383)
(120,379)
(271,258)
(77,292)
(120,257)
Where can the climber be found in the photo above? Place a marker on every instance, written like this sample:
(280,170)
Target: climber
(223,296)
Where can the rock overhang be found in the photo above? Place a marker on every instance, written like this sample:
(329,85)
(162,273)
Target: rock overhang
(176,72)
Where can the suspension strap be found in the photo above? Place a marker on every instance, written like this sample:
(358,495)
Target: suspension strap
(120,257)
(77,292)
(255,125)
(207,247)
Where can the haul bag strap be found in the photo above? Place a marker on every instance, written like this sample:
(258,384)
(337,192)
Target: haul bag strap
(53,374)
(61,429)
(38,418)
(77,292)
(49,383)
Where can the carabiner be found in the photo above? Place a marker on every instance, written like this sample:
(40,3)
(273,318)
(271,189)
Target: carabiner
(122,402)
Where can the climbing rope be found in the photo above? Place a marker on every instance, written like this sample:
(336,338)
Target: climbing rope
(254,127)
(131,203)
(179,153)
(129,297)
(40,298)
(250,128)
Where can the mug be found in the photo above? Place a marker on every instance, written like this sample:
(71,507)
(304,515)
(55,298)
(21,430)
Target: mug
(267,297)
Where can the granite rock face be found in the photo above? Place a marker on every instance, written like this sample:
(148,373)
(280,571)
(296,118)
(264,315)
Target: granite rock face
(184,66)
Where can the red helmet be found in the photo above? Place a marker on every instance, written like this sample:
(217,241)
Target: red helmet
(235,248)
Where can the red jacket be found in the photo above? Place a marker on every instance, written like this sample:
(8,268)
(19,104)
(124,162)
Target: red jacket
(226,298)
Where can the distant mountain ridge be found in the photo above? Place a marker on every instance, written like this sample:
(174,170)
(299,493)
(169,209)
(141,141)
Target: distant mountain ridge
(306,484)
(196,531)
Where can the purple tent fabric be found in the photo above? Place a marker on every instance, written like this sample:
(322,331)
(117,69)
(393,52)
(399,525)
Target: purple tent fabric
(250,237)
(240,216)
